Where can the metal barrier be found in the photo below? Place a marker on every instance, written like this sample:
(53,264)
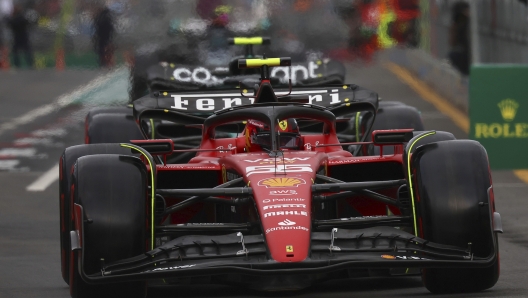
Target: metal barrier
(502,29)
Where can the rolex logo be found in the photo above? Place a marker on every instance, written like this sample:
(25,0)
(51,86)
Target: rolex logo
(508,108)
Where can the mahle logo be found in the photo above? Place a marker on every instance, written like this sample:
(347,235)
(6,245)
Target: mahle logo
(508,108)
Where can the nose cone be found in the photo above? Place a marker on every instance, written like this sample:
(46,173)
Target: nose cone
(284,205)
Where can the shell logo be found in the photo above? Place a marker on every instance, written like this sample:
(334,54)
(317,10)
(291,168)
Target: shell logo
(281,182)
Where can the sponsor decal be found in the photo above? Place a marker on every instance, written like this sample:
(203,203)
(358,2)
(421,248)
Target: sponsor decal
(171,268)
(308,146)
(276,160)
(288,192)
(283,124)
(287,222)
(271,169)
(197,75)
(189,167)
(256,123)
(218,101)
(214,102)
(289,248)
(296,72)
(388,257)
(352,160)
(391,257)
(286,228)
(229,146)
(279,213)
(281,182)
(265,201)
(203,75)
(279,206)
(501,130)
(508,109)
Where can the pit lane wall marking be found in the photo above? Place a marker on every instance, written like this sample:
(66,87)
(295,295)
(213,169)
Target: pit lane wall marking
(440,103)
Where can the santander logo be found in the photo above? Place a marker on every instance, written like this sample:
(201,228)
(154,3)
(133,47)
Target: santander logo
(287,222)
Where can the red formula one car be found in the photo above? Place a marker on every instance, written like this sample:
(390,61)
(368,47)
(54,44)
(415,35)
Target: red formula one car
(272,200)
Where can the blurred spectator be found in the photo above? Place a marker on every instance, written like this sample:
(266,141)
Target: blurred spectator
(459,37)
(103,35)
(20,26)
(6,8)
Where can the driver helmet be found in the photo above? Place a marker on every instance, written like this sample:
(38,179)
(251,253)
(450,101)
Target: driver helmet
(258,137)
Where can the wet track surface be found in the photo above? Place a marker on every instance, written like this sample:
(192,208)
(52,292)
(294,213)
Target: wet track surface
(30,145)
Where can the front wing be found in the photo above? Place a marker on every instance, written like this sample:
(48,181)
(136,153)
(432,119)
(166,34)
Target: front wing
(377,247)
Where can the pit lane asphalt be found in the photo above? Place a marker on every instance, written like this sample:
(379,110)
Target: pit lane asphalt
(29,221)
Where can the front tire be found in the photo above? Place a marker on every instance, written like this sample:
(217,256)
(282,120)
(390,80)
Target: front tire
(111,189)
(455,207)
(66,162)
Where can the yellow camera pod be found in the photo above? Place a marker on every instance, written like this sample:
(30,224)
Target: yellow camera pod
(255,63)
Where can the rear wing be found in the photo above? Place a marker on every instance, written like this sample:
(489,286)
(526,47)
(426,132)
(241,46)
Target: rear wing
(201,104)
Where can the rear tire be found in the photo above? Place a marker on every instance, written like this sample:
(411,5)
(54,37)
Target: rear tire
(394,115)
(112,128)
(102,110)
(454,208)
(66,162)
(111,189)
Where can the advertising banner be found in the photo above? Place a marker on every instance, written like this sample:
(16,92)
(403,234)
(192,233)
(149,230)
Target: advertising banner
(498,111)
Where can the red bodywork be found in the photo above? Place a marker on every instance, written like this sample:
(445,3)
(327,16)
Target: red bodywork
(281,186)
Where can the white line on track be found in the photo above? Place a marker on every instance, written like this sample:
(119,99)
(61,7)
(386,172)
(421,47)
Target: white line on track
(60,102)
(45,180)
(53,174)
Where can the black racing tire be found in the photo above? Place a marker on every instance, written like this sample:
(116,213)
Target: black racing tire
(453,184)
(103,110)
(66,163)
(112,128)
(112,191)
(394,115)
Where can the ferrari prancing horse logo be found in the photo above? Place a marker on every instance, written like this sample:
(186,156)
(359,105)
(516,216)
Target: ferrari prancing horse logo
(283,124)
(289,248)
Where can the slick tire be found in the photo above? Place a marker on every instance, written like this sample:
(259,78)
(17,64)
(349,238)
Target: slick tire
(66,162)
(394,115)
(102,110)
(112,191)
(112,128)
(449,175)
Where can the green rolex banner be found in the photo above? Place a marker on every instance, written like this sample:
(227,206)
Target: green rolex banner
(498,112)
